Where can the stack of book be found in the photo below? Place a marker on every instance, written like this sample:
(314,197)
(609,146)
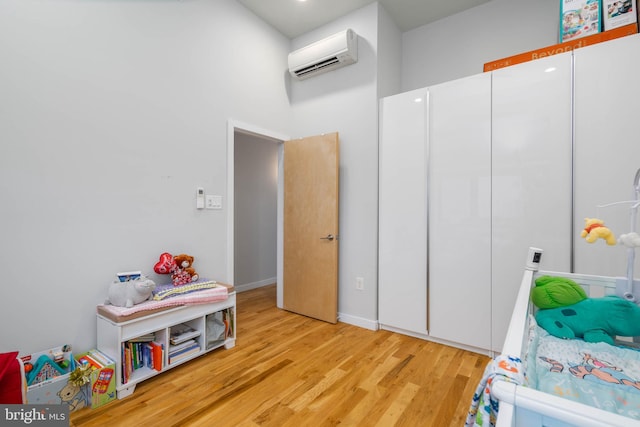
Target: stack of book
(183,343)
(141,352)
(96,359)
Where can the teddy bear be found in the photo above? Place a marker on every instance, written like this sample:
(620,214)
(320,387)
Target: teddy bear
(184,263)
(594,228)
(179,267)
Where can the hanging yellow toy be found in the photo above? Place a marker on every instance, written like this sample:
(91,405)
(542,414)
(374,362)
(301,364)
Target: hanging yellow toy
(594,228)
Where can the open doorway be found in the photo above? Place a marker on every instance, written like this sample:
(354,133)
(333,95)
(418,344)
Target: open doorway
(254,188)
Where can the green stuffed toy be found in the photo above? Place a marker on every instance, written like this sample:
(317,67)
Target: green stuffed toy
(553,292)
(593,319)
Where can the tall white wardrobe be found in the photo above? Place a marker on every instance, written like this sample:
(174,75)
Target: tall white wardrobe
(607,152)
(475,171)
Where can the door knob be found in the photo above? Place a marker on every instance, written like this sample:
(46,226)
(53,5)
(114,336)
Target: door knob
(329,237)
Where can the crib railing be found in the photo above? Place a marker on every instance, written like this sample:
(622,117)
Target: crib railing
(523,406)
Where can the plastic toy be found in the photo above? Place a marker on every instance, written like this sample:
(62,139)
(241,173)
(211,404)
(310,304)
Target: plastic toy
(127,294)
(594,229)
(554,292)
(43,370)
(593,319)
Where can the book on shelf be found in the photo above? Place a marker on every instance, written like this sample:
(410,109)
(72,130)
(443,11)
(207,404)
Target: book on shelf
(157,350)
(87,359)
(183,350)
(181,333)
(141,354)
(227,318)
(184,354)
(144,338)
(101,358)
(125,358)
(173,349)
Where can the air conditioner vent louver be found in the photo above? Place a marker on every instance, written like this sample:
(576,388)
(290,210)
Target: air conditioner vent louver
(316,67)
(325,55)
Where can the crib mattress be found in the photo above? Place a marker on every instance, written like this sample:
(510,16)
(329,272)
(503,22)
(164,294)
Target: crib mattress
(597,374)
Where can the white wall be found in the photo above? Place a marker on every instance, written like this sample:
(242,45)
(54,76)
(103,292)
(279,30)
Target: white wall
(256,192)
(345,100)
(461,44)
(111,114)
(389,55)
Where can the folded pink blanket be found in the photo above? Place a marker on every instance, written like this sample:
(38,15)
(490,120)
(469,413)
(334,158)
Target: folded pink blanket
(219,293)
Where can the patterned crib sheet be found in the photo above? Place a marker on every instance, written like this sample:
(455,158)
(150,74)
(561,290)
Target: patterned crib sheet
(596,374)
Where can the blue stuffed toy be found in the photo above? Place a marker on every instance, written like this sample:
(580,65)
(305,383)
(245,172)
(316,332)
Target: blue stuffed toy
(593,319)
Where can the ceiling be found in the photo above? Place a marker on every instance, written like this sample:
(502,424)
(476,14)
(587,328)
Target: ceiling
(295,17)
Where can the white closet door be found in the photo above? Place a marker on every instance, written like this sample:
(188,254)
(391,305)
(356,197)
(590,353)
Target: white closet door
(402,269)
(459,128)
(607,148)
(531,184)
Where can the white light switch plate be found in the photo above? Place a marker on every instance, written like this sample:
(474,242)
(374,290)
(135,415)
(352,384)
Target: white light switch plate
(214,202)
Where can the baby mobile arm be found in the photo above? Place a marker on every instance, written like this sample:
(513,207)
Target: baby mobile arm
(630,240)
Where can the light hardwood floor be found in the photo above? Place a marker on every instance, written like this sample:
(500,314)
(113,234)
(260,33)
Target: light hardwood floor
(290,370)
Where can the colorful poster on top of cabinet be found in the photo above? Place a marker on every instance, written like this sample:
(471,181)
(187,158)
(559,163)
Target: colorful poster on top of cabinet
(579,18)
(617,13)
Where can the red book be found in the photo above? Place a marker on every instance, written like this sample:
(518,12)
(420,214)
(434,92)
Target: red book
(157,356)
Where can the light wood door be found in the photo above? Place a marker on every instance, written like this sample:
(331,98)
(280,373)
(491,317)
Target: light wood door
(311,181)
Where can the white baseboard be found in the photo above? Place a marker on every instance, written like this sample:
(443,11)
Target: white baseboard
(358,321)
(344,318)
(437,340)
(254,285)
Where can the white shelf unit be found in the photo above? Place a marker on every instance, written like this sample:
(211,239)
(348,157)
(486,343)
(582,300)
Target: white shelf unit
(112,335)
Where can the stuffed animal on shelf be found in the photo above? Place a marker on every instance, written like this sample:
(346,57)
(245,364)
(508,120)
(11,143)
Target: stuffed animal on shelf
(186,271)
(179,267)
(131,292)
(556,291)
(593,319)
(594,228)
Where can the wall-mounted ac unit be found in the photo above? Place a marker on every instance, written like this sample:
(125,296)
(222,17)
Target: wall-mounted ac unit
(325,55)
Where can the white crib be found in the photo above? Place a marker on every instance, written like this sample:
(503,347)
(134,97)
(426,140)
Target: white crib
(524,406)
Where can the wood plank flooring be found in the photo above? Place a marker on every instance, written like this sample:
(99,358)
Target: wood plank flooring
(290,370)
